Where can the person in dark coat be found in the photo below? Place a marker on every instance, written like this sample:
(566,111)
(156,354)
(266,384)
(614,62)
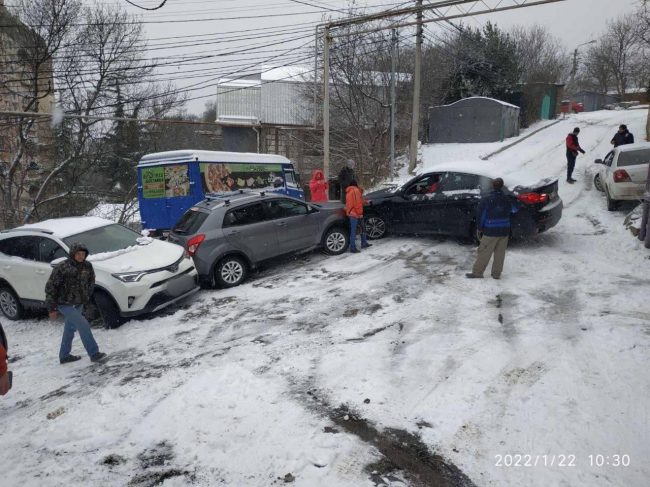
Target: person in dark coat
(494,215)
(4,372)
(67,290)
(346,176)
(623,136)
(572,149)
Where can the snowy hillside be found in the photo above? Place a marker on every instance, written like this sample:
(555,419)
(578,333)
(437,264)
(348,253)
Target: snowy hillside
(387,367)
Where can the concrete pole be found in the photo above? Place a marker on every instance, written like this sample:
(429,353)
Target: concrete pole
(315,108)
(415,121)
(392,102)
(326,102)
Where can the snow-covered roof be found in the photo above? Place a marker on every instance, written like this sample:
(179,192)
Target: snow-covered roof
(65,227)
(180,156)
(633,147)
(301,74)
(500,102)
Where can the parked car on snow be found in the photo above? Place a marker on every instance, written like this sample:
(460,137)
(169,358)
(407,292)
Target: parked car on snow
(623,173)
(445,201)
(229,235)
(134,274)
(644,229)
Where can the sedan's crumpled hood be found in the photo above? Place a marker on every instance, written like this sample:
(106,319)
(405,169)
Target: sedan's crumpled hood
(154,255)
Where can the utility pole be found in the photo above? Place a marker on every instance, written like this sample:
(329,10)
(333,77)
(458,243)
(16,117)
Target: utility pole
(415,121)
(326,102)
(316,78)
(393,106)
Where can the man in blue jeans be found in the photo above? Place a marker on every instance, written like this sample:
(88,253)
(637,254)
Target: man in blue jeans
(68,289)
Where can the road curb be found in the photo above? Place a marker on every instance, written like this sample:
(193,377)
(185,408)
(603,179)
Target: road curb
(506,147)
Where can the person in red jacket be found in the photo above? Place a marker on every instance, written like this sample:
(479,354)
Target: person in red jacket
(4,376)
(354,210)
(572,149)
(318,187)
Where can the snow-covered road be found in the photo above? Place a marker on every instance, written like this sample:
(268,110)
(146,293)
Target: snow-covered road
(245,387)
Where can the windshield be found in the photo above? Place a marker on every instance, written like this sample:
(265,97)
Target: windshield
(105,239)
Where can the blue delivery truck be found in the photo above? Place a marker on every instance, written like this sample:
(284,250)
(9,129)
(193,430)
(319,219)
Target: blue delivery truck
(169,183)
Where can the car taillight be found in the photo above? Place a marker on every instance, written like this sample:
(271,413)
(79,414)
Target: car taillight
(621,176)
(533,198)
(194,243)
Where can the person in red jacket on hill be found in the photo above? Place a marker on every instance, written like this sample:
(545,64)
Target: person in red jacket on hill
(572,149)
(354,210)
(318,187)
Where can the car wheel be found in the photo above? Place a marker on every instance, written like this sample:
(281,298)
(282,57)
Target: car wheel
(597,183)
(375,227)
(10,304)
(230,271)
(612,204)
(109,313)
(335,241)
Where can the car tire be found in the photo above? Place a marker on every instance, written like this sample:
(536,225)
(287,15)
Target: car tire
(336,240)
(598,183)
(375,227)
(475,234)
(10,305)
(612,204)
(230,271)
(108,311)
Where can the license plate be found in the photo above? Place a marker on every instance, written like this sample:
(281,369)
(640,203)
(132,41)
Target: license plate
(180,285)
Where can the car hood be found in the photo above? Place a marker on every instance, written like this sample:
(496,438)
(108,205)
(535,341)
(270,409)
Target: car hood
(381,194)
(151,254)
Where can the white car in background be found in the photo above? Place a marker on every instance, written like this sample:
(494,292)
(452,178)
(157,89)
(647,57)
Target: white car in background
(623,173)
(134,274)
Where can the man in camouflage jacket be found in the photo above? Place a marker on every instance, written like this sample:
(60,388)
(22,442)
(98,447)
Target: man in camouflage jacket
(69,288)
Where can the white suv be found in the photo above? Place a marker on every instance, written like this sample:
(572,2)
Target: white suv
(134,274)
(623,173)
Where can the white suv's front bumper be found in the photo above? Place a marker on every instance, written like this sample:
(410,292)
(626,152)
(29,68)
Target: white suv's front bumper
(155,291)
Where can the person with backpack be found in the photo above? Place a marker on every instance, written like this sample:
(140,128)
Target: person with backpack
(318,187)
(572,149)
(5,381)
(354,211)
(68,289)
(622,137)
(494,215)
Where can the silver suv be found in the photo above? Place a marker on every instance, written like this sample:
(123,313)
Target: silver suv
(229,235)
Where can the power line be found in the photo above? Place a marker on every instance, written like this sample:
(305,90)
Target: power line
(145,8)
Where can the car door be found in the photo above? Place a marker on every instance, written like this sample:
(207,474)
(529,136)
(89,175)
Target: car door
(417,211)
(248,229)
(297,227)
(48,251)
(460,194)
(23,270)
(605,168)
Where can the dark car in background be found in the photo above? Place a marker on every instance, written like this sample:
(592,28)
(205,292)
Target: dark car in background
(445,200)
(231,234)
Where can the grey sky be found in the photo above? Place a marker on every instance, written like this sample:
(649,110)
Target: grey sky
(573,21)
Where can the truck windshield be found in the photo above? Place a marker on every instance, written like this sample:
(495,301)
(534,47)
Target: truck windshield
(105,239)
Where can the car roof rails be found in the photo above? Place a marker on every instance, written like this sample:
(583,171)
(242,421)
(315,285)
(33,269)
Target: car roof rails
(19,229)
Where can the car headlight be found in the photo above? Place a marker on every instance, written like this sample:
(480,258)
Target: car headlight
(129,276)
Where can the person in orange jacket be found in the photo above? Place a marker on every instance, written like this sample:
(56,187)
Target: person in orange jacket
(318,187)
(354,211)
(4,376)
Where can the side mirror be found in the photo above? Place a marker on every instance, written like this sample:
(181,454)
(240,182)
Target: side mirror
(598,161)
(311,209)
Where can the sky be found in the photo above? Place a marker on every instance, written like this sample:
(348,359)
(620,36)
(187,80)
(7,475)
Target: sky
(279,32)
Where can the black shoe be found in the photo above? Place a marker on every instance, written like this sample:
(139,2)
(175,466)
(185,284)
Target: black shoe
(69,358)
(98,357)
(354,251)
(570,181)
(473,276)
(365,246)
(496,277)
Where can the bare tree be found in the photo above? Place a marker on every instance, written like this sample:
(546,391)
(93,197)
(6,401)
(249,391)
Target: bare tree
(543,57)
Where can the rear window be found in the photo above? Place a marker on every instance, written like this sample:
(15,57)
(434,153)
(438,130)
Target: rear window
(633,158)
(190,222)
(245,216)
